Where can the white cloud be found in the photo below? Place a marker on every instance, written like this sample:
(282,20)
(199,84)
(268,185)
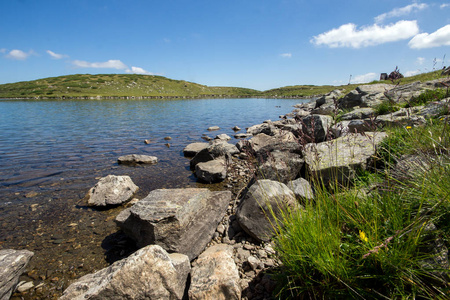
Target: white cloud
(286,55)
(440,37)
(19,54)
(401,11)
(444,5)
(110,64)
(137,70)
(364,78)
(412,73)
(56,55)
(420,60)
(349,36)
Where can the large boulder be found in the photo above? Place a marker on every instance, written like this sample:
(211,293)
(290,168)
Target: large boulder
(367,95)
(215,275)
(212,171)
(111,190)
(216,149)
(263,143)
(281,166)
(339,159)
(302,189)
(264,200)
(192,149)
(179,220)
(316,127)
(266,128)
(137,159)
(12,264)
(149,273)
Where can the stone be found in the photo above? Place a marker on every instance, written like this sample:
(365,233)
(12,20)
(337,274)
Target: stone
(179,220)
(266,128)
(12,264)
(280,166)
(339,159)
(24,286)
(435,108)
(216,149)
(394,120)
(215,275)
(242,135)
(192,149)
(264,200)
(302,189)
(137,159)
(213,128)
(111,190)
(316,127)
(149,273)
(223,137)
(359,113)
(263,143)
(212,171)
(236,128)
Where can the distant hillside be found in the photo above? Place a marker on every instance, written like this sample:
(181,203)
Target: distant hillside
(116,85)
(133,85)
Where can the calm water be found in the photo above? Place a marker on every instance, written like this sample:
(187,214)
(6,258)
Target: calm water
(53,152)
(43,142)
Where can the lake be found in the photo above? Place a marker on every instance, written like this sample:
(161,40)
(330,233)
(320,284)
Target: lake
(52,152)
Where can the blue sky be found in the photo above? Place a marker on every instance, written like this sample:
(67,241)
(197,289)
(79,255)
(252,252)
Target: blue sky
(258,44)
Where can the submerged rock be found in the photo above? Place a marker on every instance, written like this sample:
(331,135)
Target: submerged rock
(137,159)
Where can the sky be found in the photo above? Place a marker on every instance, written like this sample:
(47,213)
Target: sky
(259,44)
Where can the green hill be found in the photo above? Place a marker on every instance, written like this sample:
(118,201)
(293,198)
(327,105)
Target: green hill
(116,85)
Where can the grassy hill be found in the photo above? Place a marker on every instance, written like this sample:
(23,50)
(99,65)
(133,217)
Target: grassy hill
(115,85)
(133,85)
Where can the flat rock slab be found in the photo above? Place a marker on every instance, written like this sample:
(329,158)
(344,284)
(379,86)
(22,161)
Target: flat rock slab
(339,159)
(211,171)
(149,273)
(12,265)
(215,275)
(179,220)
(192,149)
(137,159)
(111,190)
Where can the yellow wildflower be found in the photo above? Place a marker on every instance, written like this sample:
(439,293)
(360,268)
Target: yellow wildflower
(362,236)
(408,127)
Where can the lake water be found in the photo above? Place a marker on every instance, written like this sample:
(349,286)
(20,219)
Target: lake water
(53,152)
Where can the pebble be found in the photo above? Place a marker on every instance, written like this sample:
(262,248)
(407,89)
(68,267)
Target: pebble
(167,138)
(24,286)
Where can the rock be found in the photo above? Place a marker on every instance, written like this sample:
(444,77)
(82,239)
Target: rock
(263,143)
(168,138)
(149,273)
(339,159)
(242,135)
(202,156)
(147,141)
(215,275)
(206,138)
(192,149)
(254,212)
(223,137)
(266,128)
(302,189)
(137,159)
(12,264)
(253,262)
(436,108)
(394,120)
(446,71)
(111,190)
(236,128)
(367,95)
(179,220)
(216,149)
(24,286)
(280,166)
(211,171)
(213,128)
(359,113)
(316,127)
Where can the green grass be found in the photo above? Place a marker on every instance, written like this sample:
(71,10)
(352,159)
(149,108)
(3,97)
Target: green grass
(352,245)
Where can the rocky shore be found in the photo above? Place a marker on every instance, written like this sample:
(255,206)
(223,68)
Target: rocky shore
(201,244)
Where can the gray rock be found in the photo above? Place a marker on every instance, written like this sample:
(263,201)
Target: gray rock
(316,127)
(394,120)
(242,135)
(212,171)
(263,143)
(236,128)
(111,190)
(179,220)
(340,158)
(280,166)
(137,159)
(302,189)
(264,199)
(213,128)
(223,137)
(215,275)
(436,108)
(216,149)
(192,149)
(359,113)
(266,128)
(12,264)
(149,273)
